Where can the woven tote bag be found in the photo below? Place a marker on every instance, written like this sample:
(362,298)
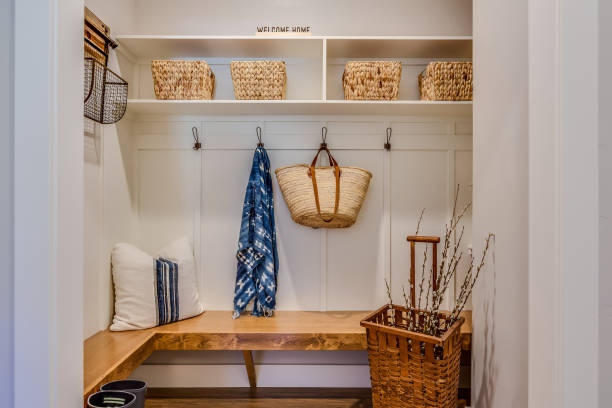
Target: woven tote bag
(323,197)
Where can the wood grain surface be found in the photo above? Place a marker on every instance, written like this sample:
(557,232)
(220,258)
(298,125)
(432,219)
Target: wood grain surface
(110,356)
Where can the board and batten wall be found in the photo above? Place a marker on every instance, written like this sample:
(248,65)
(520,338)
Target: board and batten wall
(179,191)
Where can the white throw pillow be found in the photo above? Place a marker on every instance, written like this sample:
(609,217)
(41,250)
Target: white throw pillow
(136,289)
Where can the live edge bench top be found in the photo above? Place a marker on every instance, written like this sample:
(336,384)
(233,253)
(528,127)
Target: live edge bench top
(110,355)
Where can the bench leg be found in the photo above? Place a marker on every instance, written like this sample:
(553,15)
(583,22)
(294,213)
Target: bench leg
(250,367)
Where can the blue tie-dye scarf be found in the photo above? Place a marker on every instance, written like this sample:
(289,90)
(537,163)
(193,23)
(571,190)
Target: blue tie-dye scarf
(257,256)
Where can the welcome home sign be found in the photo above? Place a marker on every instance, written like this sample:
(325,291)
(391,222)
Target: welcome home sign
(283,30)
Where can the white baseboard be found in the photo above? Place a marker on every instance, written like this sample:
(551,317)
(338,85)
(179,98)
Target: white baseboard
(268,375)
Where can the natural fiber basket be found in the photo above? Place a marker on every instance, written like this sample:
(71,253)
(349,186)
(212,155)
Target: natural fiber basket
(323,197)
(410,369)
(371,80)
(260,80)
(182,79)
(446,81)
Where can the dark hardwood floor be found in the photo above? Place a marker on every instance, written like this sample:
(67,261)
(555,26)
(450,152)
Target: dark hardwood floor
(261,397)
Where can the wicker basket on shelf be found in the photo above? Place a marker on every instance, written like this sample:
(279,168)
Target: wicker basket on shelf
(410,369)
(259,80)
(182,79)
(446,81)
(371,80)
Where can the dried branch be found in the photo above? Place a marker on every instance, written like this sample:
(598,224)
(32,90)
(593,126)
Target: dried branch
(422,276)
(419,223)
(459,308)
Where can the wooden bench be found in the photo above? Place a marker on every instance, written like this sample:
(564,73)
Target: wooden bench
(110,356)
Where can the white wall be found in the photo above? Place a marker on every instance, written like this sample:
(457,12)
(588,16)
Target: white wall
(6,201)
(605,203)
(337,17)
(108,201)
(499,372)
(48,206)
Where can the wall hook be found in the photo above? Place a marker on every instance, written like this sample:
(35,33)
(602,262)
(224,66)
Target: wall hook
(388,144)
(196,139)
(323,136)
(258,132)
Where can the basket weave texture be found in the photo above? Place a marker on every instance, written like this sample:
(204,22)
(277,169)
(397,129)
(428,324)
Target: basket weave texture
(410,369)
(259,80)
(182,79)
(446,81)
(371,80)
(297,190)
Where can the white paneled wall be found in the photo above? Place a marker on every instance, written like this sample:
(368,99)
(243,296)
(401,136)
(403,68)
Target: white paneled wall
(179,191)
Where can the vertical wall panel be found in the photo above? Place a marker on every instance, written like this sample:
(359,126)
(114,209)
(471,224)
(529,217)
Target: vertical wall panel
(419,179)
(200,194)
(355,255)
(167,200)
(299,247)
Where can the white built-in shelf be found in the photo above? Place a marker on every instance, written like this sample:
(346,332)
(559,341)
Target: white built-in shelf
(314,72)
(299,107)
(173,46)
(400,47)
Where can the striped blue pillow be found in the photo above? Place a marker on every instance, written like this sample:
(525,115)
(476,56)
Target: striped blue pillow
(166,285)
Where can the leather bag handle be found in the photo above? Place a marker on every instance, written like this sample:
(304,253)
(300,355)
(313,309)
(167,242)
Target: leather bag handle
(312,175)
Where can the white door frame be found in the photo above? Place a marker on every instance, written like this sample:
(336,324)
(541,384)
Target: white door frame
(563,203)
(48,203)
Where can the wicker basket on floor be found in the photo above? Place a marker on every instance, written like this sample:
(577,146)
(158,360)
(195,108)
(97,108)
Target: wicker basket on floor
(371,80)
(410,369)
(446,81)
(182,79)
(259,80)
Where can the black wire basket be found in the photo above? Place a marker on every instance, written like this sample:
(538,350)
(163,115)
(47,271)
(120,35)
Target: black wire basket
(105,93)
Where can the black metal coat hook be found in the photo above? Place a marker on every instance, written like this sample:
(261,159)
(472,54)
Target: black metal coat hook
(258,131)
(388,144)
(196,139)
(323,136)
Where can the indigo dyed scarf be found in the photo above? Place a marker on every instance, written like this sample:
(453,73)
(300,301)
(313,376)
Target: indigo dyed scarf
(257,256)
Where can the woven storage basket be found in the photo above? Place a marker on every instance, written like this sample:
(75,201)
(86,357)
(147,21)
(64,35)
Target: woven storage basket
(410,369)
(182,79)
(339,199)
(260,80)
(446,81)
(371,80)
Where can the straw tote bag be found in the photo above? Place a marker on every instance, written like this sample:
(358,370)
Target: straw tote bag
(323,197)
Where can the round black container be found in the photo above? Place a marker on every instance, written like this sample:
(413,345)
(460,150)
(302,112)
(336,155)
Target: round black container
(107,399)
(136,387)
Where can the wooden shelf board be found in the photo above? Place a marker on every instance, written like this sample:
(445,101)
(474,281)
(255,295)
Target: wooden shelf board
(299,107)
(146,46)
(399,47)
(182,46)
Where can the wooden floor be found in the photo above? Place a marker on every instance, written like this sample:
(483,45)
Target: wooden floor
(268,398)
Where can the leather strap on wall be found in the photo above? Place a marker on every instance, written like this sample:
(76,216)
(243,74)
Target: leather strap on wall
(312,175)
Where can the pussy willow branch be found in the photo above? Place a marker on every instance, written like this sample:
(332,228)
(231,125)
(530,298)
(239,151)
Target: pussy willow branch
(422,276)
(466,293)
(419,223)
(390,301)
(408,307)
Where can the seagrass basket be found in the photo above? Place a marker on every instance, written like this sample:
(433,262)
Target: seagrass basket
(323,197)
(446,81)
(259,80)
(182,79)
(371,80)
(410,369)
